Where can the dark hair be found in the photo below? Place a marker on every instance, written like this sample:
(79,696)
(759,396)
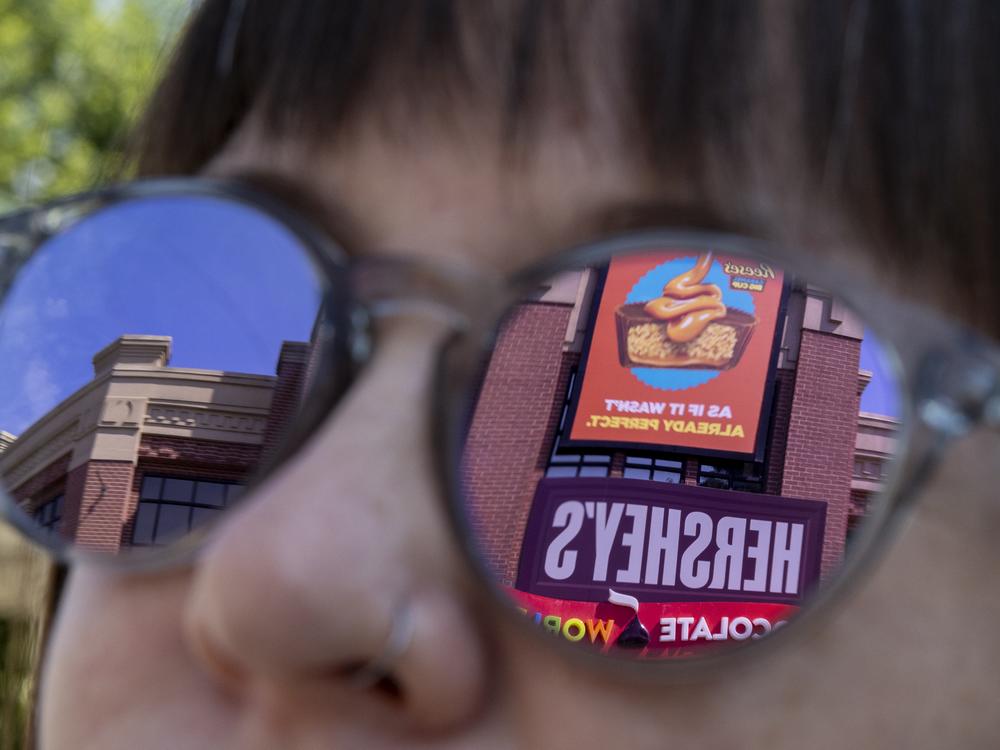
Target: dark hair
(896,108)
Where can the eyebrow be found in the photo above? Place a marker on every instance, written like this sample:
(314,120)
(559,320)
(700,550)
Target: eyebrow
(325,212)
(641,214)
(600,222)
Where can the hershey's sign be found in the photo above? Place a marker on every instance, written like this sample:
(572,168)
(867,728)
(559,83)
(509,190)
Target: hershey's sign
(665,542)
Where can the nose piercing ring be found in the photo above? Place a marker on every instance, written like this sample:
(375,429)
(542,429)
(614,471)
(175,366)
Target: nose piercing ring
(396,643)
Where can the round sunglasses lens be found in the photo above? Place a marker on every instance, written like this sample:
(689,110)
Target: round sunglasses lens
(671,454)
(150,357)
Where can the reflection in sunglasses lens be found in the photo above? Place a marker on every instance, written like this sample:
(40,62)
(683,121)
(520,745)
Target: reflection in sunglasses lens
(150,358)
(670,454)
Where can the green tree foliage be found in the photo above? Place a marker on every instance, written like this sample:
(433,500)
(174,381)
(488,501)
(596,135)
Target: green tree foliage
(73,77)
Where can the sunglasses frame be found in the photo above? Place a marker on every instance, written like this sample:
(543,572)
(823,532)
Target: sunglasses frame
(949,375)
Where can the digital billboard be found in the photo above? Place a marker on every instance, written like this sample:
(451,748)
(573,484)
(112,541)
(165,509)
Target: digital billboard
(680,352)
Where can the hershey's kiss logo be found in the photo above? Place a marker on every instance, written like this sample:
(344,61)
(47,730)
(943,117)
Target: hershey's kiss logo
(634,635)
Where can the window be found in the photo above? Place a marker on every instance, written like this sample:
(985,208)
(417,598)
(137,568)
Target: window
(746,477)
(169,507)
(870,468)
(670,470)
(563,464)
(49,513)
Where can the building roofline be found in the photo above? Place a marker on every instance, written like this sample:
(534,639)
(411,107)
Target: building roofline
(874,419)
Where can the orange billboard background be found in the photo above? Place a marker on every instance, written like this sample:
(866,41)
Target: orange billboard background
(647,381)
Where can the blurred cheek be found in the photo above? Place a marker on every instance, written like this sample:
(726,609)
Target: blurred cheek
(117,662)
(118,658)
(119,671)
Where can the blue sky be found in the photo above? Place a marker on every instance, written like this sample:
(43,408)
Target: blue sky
(881,396)
(228,284)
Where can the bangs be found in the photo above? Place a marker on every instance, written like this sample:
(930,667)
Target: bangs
(887,110)
(676,73)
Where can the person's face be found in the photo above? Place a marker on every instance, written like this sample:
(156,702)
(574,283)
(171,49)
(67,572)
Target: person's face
(254,645)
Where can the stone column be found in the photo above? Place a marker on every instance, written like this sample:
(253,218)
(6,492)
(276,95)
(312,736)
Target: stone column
(99,483)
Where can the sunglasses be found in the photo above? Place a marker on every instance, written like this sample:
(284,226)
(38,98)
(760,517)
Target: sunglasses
(659,448)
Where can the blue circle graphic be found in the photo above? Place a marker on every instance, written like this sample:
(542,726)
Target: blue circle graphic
(650,286)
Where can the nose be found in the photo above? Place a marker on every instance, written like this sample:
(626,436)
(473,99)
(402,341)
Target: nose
(339,566)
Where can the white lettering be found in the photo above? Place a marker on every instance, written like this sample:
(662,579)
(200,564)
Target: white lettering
(653,545)
(560,565)
(759,553)
(741,628)
(605,531)
(634,407)
(764,625)
(685,626)
(720,412)
(701,630)
(668,629)
(786,557)
(694,572)
(664,544)
(635,540)
(730,534)
(723,630)
(737,629)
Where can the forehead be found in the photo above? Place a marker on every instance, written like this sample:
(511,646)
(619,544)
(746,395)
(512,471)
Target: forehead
(411,154)
(461,196)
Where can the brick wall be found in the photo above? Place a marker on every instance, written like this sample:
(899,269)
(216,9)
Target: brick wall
(102,489)
(690,470)
(859,502)
(198,454)
(617,468)
(811,436)
(42,485)
(858,511)
(777,432)
(822,429)
(293,363)
(512,429)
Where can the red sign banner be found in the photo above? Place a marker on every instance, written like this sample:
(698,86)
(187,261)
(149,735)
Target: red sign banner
(679,352)
(653,629)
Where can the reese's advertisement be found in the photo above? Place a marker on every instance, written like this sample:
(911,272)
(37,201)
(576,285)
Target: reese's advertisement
(679,352)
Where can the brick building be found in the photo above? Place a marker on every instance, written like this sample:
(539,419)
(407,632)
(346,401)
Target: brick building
(817,445)
(144,452)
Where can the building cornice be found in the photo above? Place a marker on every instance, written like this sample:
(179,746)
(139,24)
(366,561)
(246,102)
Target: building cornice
(138,394)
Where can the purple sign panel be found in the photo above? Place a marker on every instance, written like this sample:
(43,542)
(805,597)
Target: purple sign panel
(665,542)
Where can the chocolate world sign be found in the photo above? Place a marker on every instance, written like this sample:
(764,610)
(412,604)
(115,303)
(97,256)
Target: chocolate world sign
(669,543)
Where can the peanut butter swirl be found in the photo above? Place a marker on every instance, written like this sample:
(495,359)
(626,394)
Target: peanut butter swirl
(687,304)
